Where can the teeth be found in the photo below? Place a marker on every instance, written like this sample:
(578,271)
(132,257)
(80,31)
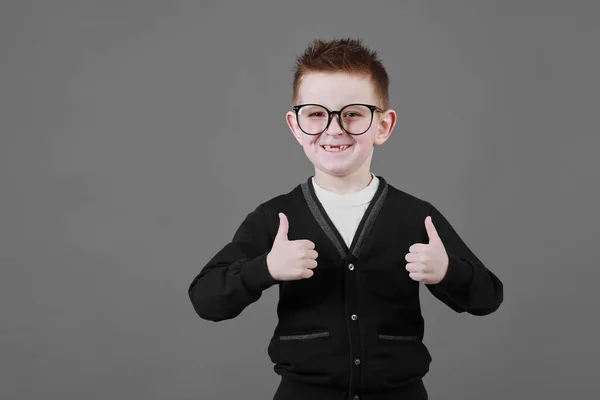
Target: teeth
(340,148)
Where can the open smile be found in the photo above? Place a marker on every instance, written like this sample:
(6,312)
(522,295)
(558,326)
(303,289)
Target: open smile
(336,148)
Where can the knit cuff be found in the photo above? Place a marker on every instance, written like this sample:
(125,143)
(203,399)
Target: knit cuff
(458,276)
(255,274)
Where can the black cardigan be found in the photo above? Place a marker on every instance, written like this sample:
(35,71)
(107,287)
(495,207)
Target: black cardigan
(354,329)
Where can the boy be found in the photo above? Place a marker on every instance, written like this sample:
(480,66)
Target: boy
(346,249)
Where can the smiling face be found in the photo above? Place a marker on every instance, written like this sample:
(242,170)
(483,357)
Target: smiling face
(334,90)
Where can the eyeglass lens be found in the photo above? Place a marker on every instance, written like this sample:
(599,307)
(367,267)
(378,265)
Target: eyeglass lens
(355,119)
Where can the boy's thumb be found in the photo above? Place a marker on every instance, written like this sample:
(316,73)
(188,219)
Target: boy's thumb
(282,232)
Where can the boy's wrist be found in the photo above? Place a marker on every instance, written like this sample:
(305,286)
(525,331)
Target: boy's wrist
(458,275)
(256,275)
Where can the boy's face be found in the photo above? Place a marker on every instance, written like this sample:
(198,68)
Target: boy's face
(334,91)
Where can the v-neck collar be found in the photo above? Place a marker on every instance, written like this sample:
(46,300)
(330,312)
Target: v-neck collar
(365,225)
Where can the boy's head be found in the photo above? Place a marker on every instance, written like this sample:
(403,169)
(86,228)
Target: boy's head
(340,74)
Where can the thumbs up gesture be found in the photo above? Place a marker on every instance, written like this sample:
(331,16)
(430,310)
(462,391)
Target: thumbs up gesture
(290,259)
(428,262)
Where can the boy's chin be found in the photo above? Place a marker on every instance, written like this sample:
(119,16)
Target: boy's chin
(337,172)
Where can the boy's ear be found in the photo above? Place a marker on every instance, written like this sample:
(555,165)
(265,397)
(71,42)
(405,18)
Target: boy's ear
(385,126)
(290,118)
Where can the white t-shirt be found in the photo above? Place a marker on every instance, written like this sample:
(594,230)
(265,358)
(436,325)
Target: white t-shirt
(346,210)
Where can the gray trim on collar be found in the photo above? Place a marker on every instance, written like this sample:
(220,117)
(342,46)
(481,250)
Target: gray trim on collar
(314,209)
(370,218)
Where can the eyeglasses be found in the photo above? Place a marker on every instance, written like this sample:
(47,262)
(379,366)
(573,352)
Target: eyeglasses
(355,119)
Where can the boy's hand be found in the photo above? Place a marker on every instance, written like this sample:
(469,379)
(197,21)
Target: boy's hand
(428,263)
(290,260)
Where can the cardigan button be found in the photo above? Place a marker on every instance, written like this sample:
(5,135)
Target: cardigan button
(357,361)
(354,317)
(351,267)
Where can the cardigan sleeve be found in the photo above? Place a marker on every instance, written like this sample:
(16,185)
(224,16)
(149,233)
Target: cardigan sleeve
(468,285)
(237,275)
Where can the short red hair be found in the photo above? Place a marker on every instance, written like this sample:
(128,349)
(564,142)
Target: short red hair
(343,55)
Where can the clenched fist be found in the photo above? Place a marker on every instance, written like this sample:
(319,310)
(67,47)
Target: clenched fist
(290,260)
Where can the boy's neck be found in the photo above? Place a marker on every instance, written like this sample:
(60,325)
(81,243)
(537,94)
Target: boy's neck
(343,184)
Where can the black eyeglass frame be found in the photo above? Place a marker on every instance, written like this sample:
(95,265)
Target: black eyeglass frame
(371,107)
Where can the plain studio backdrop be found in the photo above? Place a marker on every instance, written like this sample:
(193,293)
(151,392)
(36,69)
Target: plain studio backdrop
(137,135)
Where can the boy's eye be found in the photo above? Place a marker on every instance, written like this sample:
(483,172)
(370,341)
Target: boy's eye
(316,114)
(352,114)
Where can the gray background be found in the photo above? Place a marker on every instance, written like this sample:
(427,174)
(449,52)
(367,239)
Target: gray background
(136,136)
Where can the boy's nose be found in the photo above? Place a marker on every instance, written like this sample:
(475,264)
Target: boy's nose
(334,127)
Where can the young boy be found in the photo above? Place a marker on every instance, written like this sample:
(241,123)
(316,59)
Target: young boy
(346,249)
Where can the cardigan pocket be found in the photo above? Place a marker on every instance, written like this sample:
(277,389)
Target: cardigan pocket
(313,353)
(305,336)
(384,338)
(392,359)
